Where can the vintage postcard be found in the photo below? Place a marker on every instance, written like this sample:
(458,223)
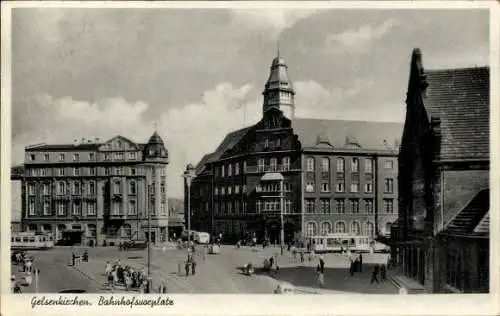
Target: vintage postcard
(285,158)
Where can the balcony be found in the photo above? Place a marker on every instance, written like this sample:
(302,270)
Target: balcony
(116,216)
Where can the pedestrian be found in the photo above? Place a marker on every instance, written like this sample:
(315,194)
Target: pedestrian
(271,262)
(360,262)
(322,264)
(193,266)
(29,279)
(351,266)
(375,274)
(115,276)
(383,272)
(301,256)
(319,276)
(205,255)
(107,269)
(164,288)
(111,282)
(186,267)
(356,263)
(128,281)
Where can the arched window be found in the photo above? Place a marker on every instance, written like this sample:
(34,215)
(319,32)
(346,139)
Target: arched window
(311,229)
(126,231)
(326,228)
(388,228)
(340,227)
(355,228)
(370,229)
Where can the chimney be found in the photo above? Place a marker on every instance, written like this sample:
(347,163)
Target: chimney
(83,140)
(97,139)
(75,142)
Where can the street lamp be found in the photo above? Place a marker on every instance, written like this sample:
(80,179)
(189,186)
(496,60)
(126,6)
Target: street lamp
(189,175)
(150,190)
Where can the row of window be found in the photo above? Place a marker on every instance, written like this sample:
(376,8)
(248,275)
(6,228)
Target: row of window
(230,190)
(230,207)
(340,206)
(62,188)
(325,164)
(62,208)
(340,227)
(273,206)
(84,171)
(91,156)
(354,188)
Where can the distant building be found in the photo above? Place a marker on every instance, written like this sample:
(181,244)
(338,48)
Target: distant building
(443,229)
(93,191)
(337,176)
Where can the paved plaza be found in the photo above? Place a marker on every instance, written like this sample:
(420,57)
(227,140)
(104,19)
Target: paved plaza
(219,273)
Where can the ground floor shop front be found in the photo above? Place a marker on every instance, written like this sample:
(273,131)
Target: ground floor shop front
(261,227)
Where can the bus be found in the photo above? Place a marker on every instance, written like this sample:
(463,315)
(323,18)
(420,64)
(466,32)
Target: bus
(338,242)
(197,237)
(31,241)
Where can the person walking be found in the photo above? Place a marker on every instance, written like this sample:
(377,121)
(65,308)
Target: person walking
(186,268)
(322,264)
(383,272)
(193,266)
(360,262)
(375,274)
(302,256)
(107,269)
(356,262)
(351,266)
(128,281)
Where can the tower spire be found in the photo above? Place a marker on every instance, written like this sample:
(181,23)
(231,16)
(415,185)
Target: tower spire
(278,50)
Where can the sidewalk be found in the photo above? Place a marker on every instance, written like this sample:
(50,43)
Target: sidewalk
(405,284)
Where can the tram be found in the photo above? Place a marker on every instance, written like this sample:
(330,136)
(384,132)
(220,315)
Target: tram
(31,241)
(338,242)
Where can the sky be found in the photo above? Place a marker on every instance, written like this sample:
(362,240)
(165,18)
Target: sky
(197,74)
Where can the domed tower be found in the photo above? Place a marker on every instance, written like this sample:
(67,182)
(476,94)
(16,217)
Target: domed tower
(155,157)
(278,92)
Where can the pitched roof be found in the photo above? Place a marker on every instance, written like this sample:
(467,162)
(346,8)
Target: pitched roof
(468,219)
(460,99)
(228,142)
(71,147)
(368,135)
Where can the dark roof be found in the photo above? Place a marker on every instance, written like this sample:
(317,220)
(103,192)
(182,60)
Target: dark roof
(155,139)
(368,135)
(314,132)
(460,99)
(468,219)
(46,147)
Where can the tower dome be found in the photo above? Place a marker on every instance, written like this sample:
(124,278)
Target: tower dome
(155,148)
(278,92)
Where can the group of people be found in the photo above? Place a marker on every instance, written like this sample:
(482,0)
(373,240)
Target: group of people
(379,269)
(25,261)
(77,257)
(132,279)
(355,263)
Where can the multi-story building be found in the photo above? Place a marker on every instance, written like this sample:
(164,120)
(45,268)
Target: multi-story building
(442,236)
(326,175)
(99,191)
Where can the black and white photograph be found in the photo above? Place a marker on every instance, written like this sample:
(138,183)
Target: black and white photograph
(279,151)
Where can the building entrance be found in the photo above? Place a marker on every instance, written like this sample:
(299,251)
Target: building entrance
(153,236)
(71,237)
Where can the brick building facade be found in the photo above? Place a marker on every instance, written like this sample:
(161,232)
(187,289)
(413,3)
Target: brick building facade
(92,191)
(337,175)
(443,233)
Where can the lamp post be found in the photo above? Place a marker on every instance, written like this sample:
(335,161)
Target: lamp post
(189,175)
(282,232)
(150,188)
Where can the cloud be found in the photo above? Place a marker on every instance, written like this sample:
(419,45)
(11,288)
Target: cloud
(360,39)
(189,132)
(274,20)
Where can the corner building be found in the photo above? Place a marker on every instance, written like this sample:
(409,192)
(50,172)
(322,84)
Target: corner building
(92,192)
(335,175)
